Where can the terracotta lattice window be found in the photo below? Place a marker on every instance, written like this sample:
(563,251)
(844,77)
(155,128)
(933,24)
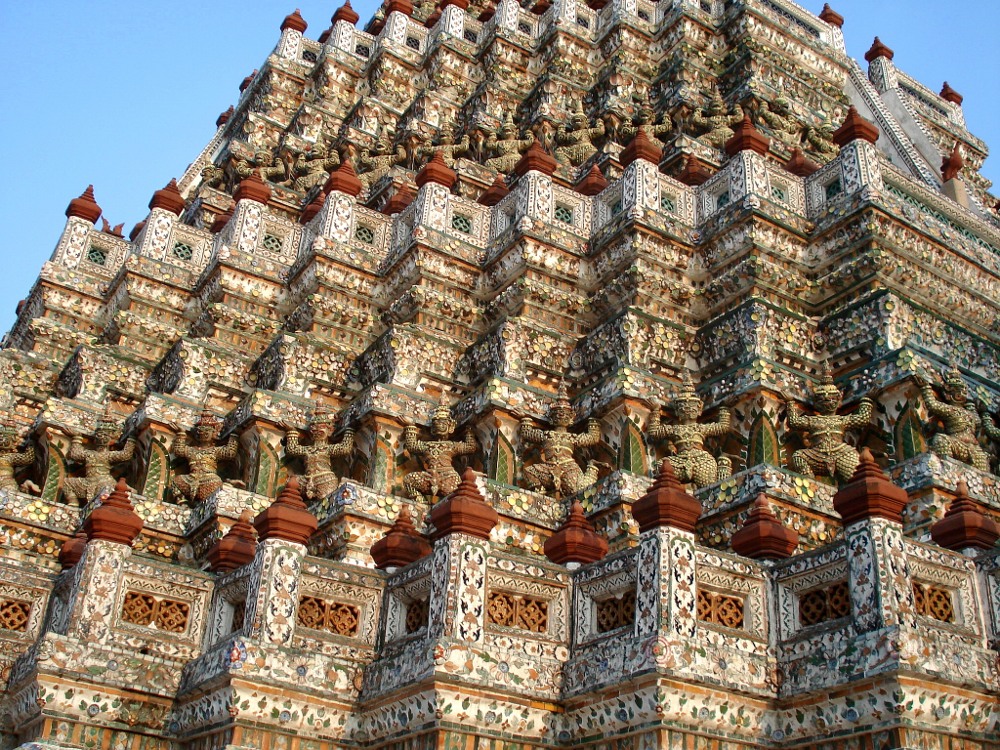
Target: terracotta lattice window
(615,612)
(150,611)
(821,605)
(933,601)
(417,613)
(521,612)
(720,609)
(333,617)
(14,615)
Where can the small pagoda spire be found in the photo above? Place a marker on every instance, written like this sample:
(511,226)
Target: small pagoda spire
(85,207)
(136,229)
(747,138)
(345,13)
(878,50)
(114,231)
(401,545)
(855,127)
(398,6)
(436,171)
(576,542)
(798,164)
(965,525)
(114,520)
(535,159)
(295,22)
(763,536)
(252,188)
(312,208)
(952,164)
(870,494)
(245,83)
(694,172)
(399,200)
(950,95)
(236,548)
(221,220)
(831,16)
(592,183)
(224,117)
(460,4)
(168,198)
(495,192)
(433,18)
(287,517)
(666,503)
(641,147)
(72,550)
(464,511)
(344,180)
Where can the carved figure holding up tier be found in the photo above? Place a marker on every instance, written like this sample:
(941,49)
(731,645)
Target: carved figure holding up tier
(450,150)
(827,454)
(12,458)
(319,480)
(507,149)
(713,125)
(439,477)
(203,457)
(576,145)
(558,471)
(958,440)
(691,462)
(97,462)
(990,429)
(373,167)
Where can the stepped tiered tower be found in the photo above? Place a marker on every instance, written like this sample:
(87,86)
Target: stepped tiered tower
(360,439)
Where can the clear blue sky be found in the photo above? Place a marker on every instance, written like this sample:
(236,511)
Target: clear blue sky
(125,95)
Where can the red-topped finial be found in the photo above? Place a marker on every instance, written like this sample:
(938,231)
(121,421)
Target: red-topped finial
(831,16)
(878,50)
(535,159)
(245,83)
(464,511)
(345,13)
(952,164)
(762,535)
(224,117)
(114,520)
(965,525)
(855,127)
(593,183)
(666,503)
(168,198)
(312,208)
(398,6)
(221,220)
(798,164)
(72,550)
(401,545)
(747,138)
(252,188)
(400,199)
(460,4)
(295,22)
(136,229)
(575,541)
(436,171)
(344,180)
(870,494)
(949,94)
(694,172)
(495,192)
(287,517)
(641,147)
(236,548)
(85,207)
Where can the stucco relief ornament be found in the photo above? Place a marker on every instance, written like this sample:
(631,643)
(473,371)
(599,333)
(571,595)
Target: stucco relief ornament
(990,430)
(319,480)
(576,144)
(691,462)
(97,461)
(826,453)
(712,124)
(439,477)
(203,457)
(12,457)
(558,472)
(506,148)
(958,439)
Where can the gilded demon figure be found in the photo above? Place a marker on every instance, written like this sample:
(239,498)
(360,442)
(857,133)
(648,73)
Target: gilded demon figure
(319,480)
(97,462)
(439,477)
(958,439)
(12,457)
(203,457)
